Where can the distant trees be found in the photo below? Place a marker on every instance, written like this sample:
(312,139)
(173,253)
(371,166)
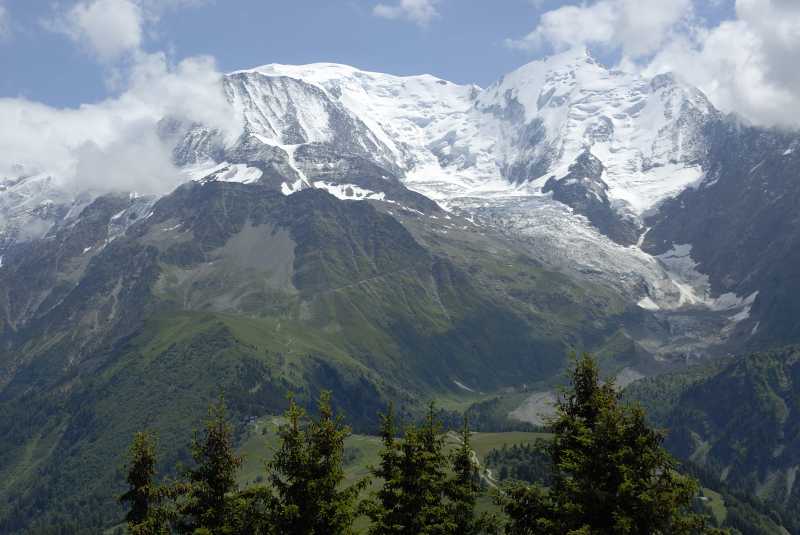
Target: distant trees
(528,462)
(420,488)
(606,474)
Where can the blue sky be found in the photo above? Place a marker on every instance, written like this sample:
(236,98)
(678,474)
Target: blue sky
(463,41)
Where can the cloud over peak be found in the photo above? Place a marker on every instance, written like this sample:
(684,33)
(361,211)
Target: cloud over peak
(637,27)
(746,64)
(114,145)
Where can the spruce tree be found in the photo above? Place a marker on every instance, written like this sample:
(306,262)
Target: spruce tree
(425,482)
(463,490)
(212,482)
(421,507)
(383,508)
(326,436)
(141,471)
(610,473)
(307,473)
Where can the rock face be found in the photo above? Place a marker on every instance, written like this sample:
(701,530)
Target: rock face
(742,223)
(584,190)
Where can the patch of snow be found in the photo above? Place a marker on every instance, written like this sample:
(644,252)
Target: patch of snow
(462,386)
(741,315)
(648,304)
(222,172)
(642,236)
(201,170)
(288,189)
(349,192)
(238,173)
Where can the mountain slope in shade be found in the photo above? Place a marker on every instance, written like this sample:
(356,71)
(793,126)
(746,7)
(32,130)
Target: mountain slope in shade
(743,225)
(740,419)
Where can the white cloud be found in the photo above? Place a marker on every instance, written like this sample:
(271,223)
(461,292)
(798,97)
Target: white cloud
(5,25)
(108,28)
(746,65)
(113,145)
(569,26)
(420,12)
(135,159)
(192,91)
(638,27)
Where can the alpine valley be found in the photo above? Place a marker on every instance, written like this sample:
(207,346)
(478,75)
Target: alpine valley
(406,239)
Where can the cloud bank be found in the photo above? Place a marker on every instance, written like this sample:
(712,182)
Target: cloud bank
(114,145)
(745,65)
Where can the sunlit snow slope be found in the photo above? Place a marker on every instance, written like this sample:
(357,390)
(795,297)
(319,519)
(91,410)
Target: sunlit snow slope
(454,141)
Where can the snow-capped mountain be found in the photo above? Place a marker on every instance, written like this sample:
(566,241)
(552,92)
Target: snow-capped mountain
(482,151)
(449,141)
(561,152)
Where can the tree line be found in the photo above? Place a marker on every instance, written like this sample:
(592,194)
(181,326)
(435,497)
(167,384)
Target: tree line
(607,474)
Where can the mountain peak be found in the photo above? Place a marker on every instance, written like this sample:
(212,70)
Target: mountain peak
(325,73)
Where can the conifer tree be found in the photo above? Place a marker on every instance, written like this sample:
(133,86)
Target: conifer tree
(463,490)
(141,471)
(307,472)
(421,481)
(426,477)
(212,483)
(383,509)
(610,473)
